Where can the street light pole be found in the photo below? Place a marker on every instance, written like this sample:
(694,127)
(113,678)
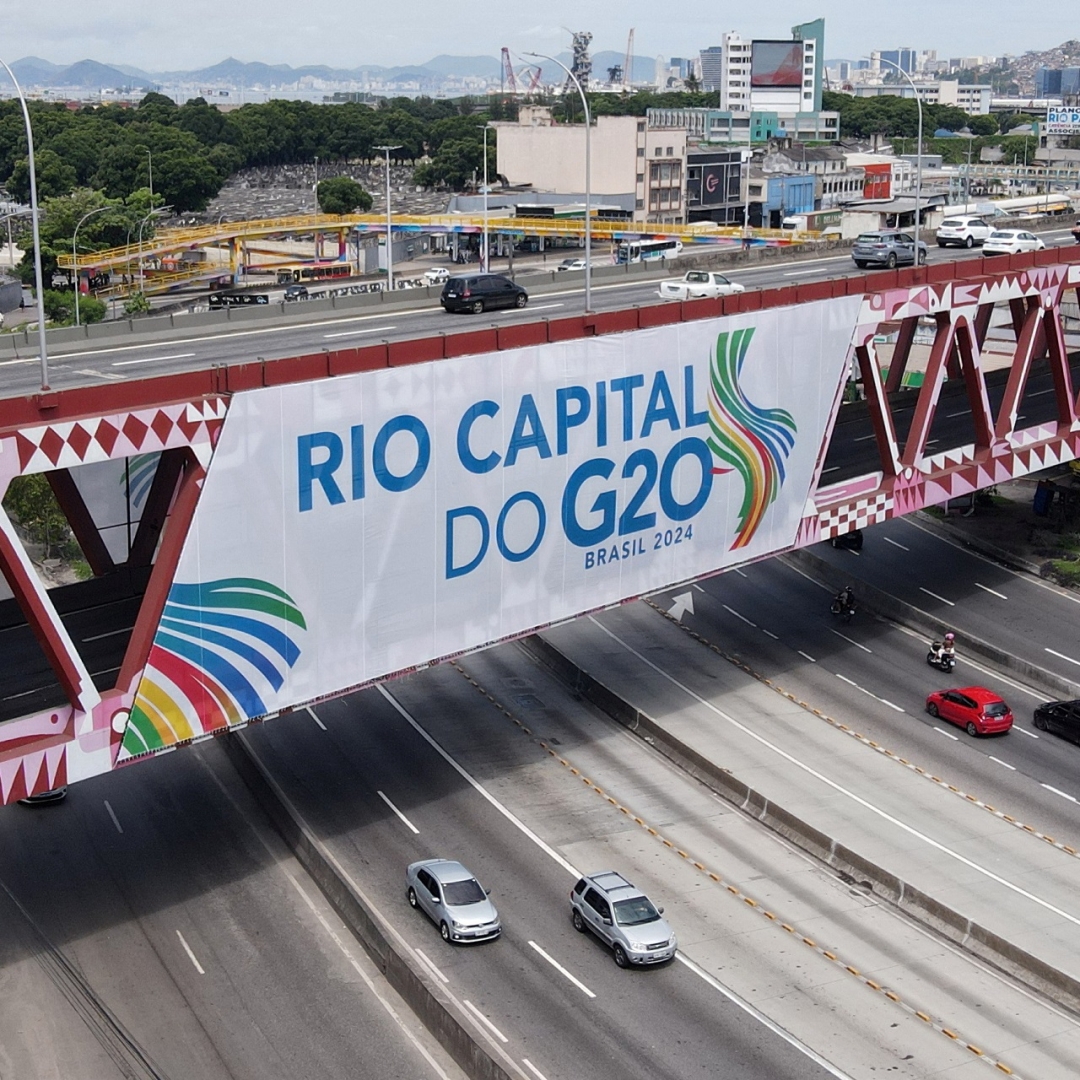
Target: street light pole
(75,255)
(484,259)
(389,223)
(918,156)
(588,176)
(42,345)
(141,224)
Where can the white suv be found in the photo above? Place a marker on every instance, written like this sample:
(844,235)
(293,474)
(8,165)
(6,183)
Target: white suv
(965,231)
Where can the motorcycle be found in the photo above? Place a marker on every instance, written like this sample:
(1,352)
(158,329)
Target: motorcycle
(941,658)
(844,611)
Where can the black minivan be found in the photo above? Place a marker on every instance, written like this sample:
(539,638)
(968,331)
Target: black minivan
(480,292)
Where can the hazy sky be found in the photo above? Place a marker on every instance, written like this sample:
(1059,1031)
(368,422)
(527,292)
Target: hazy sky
(197,33)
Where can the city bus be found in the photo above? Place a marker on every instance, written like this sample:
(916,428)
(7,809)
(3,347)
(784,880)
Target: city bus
(634,251)
(287,275)
(220,300)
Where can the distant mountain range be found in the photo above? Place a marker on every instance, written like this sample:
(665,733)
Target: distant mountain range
(33,72)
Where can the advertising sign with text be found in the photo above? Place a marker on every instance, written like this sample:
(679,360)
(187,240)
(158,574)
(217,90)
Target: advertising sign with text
(358,526)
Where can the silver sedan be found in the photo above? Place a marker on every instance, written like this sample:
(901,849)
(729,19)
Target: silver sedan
(453,899)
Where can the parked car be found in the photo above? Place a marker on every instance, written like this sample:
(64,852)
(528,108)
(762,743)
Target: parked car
(1011,242)
(571,264)
(436,275)
(296,292)
(622,917)
(453,899)
(889,248)
(44,798)
(978,710)
(480,292)
(852,540)
(964,230)
(696,284)
(1060,717)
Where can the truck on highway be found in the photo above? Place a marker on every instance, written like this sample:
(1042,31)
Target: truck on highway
(824,223)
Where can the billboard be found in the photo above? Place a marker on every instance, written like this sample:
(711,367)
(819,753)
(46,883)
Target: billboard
(355,527)
(776,64)
(1062,120)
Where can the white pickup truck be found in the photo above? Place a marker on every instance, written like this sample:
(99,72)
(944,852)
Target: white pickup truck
(698,284)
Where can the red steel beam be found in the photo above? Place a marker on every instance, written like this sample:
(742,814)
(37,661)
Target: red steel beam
(81,521)
(156,508)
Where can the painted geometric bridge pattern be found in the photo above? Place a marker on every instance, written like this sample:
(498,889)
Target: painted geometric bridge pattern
(975,333)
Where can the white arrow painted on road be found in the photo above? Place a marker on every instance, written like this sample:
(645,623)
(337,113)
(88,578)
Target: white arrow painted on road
(683,603)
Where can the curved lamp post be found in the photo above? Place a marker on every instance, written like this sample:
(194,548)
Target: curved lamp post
(43,347)
(918,156)
(588,176)
(75,256)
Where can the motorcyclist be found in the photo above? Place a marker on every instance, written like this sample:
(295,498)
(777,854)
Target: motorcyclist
(945,647)
(844,599)
(1075,230)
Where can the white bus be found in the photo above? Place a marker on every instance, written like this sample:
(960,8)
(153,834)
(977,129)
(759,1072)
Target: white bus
(633,251)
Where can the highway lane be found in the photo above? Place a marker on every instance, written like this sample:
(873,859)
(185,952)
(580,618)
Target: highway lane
(305,332)
(360,773)
(352,776)
(1027,617)
(155,926)
(873,677)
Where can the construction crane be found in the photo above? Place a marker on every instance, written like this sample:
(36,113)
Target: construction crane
(581,65)
(628,63)
(508,77)
(534,82)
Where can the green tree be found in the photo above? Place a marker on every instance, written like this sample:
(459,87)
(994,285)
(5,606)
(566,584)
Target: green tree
(31,502)
(342,195)
(983,125)
(54,176)
(455,164)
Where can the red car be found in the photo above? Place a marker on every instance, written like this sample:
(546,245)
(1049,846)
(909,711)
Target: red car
(975,708)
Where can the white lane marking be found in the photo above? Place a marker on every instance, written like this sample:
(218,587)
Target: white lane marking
(738,616)
(850,641)
(864,438)
(401,817)
(476,785)
(936,597)
(112,814)
(484,1020)
(355,333)
(769,633)
(330,931)
(14,363)
(739,572)
(862,689)
(888,540)
(1062,656)
(431,966)
(832,468)
(947,734)
(807,656)
(91,373)
(532,307)
(533,1069)
(191,955)
(962,412)
(548,850)
(153,359)
(111,633)
(1024,731)
(1012,768)
(311,713)
(993,592)
(839,788)
(761,1018)
(1063,794)
(699,588)
(561,970)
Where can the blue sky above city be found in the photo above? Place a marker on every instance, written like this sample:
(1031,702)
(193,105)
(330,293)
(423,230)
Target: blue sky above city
(198,33)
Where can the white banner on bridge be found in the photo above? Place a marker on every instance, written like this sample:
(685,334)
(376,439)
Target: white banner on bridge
(357,526)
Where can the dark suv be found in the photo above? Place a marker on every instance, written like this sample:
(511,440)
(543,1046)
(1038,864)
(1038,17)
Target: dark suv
(1062,717)
(480,292)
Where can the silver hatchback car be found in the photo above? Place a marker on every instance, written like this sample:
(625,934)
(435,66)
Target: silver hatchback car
(622,917)
(453,899)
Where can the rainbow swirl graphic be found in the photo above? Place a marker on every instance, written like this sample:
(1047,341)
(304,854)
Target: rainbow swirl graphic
(219,648)
(752,441)
(139,475)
